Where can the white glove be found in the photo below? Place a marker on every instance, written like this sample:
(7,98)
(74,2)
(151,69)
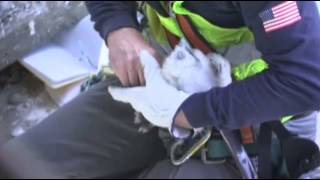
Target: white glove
(157,101)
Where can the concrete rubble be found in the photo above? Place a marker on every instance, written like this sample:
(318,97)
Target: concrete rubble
(23,102)
(26,25)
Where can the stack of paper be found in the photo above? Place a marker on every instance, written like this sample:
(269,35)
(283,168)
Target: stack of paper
(56,67)
(71,58)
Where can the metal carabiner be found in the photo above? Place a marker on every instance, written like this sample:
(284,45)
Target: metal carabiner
(205,135)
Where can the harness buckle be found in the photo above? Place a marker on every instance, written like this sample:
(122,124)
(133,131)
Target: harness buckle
(197,142)
(207,161)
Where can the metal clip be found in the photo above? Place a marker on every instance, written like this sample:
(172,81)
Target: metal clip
(207,161)
(205,135)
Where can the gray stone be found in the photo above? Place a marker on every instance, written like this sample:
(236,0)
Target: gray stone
(11,75)
(22,104)
(26,25)
(10,115)
(16,98)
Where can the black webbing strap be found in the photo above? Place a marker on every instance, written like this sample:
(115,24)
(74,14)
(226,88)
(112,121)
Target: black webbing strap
(264,152)
(299,155)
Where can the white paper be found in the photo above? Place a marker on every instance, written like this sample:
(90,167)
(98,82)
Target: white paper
(65,94)
(55,66)
(73,56)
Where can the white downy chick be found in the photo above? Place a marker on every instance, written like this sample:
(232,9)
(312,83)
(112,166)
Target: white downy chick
(191,71)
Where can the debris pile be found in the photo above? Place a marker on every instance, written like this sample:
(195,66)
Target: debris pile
(23,102)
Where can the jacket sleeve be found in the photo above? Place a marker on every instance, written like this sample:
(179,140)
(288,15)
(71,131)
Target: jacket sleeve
(112,15)
(291,85)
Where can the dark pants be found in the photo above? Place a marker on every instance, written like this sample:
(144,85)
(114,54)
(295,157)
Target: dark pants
(94,137)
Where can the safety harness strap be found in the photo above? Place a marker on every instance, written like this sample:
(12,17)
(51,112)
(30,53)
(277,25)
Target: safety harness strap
(193,37)
(299,155)
(264,157)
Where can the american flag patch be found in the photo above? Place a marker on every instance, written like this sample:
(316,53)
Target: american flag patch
(280,16)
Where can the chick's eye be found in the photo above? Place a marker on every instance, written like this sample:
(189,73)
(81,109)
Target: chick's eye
(180,55)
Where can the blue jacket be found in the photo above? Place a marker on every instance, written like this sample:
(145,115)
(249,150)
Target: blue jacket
(290,86)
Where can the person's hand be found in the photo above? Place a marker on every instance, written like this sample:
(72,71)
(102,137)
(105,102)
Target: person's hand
(124,46)
(157,101)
